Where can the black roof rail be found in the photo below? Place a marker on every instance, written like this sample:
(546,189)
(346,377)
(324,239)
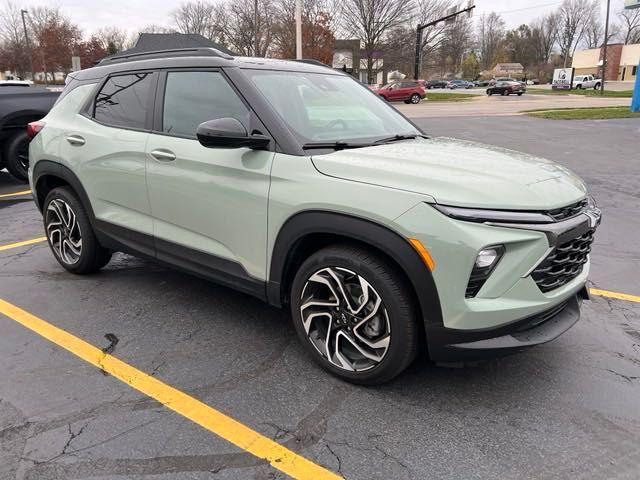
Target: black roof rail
(310,61)
(172,52)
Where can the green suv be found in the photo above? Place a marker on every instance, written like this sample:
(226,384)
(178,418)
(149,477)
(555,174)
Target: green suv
(292,182)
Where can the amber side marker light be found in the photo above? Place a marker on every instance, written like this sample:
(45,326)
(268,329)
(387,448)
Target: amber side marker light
(423,252)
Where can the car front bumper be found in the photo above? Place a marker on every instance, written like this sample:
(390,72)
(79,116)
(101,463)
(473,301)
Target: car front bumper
(450,345)
(510,311)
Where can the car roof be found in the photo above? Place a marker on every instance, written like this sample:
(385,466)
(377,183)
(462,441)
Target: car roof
(196,57)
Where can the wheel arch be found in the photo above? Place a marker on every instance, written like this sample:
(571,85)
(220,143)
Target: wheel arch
(48,175)
(307,232)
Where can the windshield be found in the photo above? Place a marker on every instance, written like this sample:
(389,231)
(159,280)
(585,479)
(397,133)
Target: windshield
(329,108)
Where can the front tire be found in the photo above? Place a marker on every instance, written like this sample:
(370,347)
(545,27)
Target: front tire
(596,86)
(16,155)
(355,315)
(70,235)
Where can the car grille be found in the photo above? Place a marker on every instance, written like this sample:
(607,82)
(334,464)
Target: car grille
(564,263)
(569,211)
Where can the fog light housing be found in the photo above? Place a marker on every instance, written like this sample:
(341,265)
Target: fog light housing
(485,263)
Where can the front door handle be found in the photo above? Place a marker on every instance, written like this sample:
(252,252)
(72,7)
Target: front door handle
(76,140)
(163,155)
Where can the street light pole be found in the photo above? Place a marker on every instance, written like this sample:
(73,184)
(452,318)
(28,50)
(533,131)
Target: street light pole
(26,38)
(420,28)
(604,52)
(299,29)
(255,28)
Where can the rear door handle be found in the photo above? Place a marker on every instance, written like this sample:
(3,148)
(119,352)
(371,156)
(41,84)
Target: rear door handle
(76,140)
(163,155)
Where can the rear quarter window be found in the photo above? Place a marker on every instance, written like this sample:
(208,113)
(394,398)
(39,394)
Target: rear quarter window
(125,100)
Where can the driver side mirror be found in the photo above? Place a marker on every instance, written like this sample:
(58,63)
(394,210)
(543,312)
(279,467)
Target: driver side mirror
(228,132)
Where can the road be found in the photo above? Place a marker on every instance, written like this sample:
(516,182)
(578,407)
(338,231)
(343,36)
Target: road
(568,409)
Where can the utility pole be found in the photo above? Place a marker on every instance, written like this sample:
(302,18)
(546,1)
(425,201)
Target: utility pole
(299,29)
(255,28)
(26,38)
(604,52)
(420,28)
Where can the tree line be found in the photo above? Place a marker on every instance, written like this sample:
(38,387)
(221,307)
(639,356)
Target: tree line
(386,28)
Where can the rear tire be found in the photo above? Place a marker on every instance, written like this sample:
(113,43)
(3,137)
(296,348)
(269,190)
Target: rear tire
(489,92)
(415,99)
(519,94)
(16,155)
(70,235)
(505,93)
(384,324)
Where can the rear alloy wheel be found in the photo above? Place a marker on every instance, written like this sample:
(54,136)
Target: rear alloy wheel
(415,99)
(16,156)
(354,315)
(70,235)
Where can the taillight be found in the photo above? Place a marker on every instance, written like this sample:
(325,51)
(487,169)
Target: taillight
(33,128)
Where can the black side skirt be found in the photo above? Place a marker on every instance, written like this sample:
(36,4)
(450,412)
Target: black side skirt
(210,267)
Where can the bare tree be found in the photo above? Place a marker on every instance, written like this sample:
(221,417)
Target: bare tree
(371,20)
(399,46)
(13,54)
(630,25)
(490,35)
(458,40)
(113,39)
(236,27)
(195,17)
(573,17)
(544,33)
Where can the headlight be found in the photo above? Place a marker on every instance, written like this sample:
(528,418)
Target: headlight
(501,216)
(485,263)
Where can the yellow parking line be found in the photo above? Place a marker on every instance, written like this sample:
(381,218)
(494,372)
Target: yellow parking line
(619,296)
(207,417)
(23,243)
(15,194)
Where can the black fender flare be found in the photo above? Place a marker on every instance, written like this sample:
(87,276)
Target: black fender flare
(363,230)
(55,169)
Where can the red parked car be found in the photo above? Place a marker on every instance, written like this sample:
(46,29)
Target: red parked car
(405,90)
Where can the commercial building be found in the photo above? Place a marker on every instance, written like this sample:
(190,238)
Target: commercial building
(622,61)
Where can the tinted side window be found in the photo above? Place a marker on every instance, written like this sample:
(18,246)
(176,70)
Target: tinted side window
(191,98)
(124,100)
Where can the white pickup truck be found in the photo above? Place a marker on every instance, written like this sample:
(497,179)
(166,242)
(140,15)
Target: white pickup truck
(586,81)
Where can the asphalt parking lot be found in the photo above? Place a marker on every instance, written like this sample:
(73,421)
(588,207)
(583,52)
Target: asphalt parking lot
(567,409)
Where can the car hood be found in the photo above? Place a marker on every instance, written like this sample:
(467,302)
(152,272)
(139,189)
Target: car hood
(460,173)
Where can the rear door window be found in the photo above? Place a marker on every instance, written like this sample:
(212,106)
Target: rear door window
(125,100)
(191,98)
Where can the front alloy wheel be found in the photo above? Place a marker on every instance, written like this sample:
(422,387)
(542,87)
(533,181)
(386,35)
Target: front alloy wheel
(63,231)
(354,313)
(344,319)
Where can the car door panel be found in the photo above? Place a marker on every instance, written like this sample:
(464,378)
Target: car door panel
(209,200)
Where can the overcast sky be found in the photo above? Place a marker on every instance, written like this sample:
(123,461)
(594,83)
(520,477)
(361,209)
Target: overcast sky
(135,14)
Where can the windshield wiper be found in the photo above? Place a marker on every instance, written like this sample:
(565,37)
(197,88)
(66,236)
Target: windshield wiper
(398,136)
(339,145)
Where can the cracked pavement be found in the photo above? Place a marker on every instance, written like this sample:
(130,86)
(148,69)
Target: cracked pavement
(567,409)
